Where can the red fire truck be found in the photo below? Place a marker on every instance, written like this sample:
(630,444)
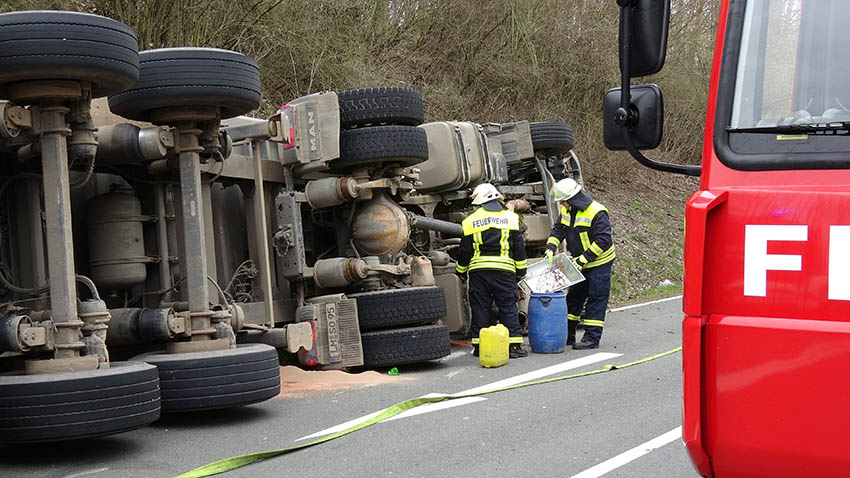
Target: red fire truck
(766,330)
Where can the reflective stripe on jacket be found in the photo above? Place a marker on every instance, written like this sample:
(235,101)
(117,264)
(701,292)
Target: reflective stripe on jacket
(491,240)
(588,235)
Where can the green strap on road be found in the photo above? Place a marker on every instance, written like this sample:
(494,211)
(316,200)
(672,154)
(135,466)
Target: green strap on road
(232,463)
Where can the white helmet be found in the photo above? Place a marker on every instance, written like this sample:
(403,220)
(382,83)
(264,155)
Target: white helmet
(565,189)
(485,192)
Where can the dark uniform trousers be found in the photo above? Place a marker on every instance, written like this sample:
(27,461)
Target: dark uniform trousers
(487,286)
(591,295)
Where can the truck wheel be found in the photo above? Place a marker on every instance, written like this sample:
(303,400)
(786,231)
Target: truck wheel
(174,77)
(64,406)
(47,45)
(387,348)
(383,105)
(195,381)
(377,145)
(552,137)
(391,308)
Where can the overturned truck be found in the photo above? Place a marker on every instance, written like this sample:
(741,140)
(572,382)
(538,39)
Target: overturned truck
(370,207)
(160,252)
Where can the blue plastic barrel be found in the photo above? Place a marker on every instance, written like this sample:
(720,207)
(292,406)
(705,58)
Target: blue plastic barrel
(547,322)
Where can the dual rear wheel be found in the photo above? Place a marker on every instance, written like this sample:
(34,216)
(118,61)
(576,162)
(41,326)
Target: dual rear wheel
(401,326)
(41,48)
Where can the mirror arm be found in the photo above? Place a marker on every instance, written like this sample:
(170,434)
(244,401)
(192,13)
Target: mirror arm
(626,116)
(686,169)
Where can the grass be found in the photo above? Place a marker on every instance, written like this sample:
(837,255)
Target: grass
(646,214)
(652,293)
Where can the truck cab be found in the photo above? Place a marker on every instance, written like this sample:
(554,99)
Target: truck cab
(766,289)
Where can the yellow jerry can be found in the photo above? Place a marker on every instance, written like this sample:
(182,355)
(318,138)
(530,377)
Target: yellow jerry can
(493,346)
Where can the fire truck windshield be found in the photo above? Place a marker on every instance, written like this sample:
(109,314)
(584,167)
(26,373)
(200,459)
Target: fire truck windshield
(786,73)
(794,66)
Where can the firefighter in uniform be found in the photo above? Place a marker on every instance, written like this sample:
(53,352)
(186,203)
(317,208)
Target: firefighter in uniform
(492,253)
(585,225)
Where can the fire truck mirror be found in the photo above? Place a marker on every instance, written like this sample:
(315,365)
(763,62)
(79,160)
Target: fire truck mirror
(643,34)
(644,122)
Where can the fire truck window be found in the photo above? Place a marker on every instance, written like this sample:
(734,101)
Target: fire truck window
(783,32)
(788,64)
(794,65)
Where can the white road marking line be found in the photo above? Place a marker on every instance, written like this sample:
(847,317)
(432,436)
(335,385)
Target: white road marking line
(454,355)
(433,407)
(526,377)
(455,372)
(633,454)
(86,473)
(618,309)
(544,372)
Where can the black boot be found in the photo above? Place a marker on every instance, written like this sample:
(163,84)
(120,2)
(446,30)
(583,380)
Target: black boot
(585,344)
(475,350)
(571,331)
(516,351)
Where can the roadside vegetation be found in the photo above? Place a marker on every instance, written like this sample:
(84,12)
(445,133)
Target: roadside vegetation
(484,61)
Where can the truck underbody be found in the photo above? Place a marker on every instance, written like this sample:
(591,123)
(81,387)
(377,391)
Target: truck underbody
(162,253)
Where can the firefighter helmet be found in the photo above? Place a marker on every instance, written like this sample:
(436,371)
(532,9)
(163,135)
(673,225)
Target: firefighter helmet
(485,192)
(565,189)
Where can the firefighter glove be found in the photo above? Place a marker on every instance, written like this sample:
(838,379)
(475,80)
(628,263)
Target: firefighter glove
(549,254)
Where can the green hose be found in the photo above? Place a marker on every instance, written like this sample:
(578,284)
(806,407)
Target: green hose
(235,462)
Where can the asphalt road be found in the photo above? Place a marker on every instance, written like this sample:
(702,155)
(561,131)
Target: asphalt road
(623,423)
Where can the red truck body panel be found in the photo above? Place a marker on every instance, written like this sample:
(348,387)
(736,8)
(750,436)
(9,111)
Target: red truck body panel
(766,333)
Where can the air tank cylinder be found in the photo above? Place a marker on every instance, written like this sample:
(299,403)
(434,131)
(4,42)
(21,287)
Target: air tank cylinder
(329,192)
(140,326)
(339,272)
(115,238)
(10,337)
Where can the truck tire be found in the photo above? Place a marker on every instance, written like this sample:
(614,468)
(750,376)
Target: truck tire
(552,137)
(196,381)
(388,348)
(174,77)
(48,45)
(377,145)
(391,308)
(65,406)
(383,105)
